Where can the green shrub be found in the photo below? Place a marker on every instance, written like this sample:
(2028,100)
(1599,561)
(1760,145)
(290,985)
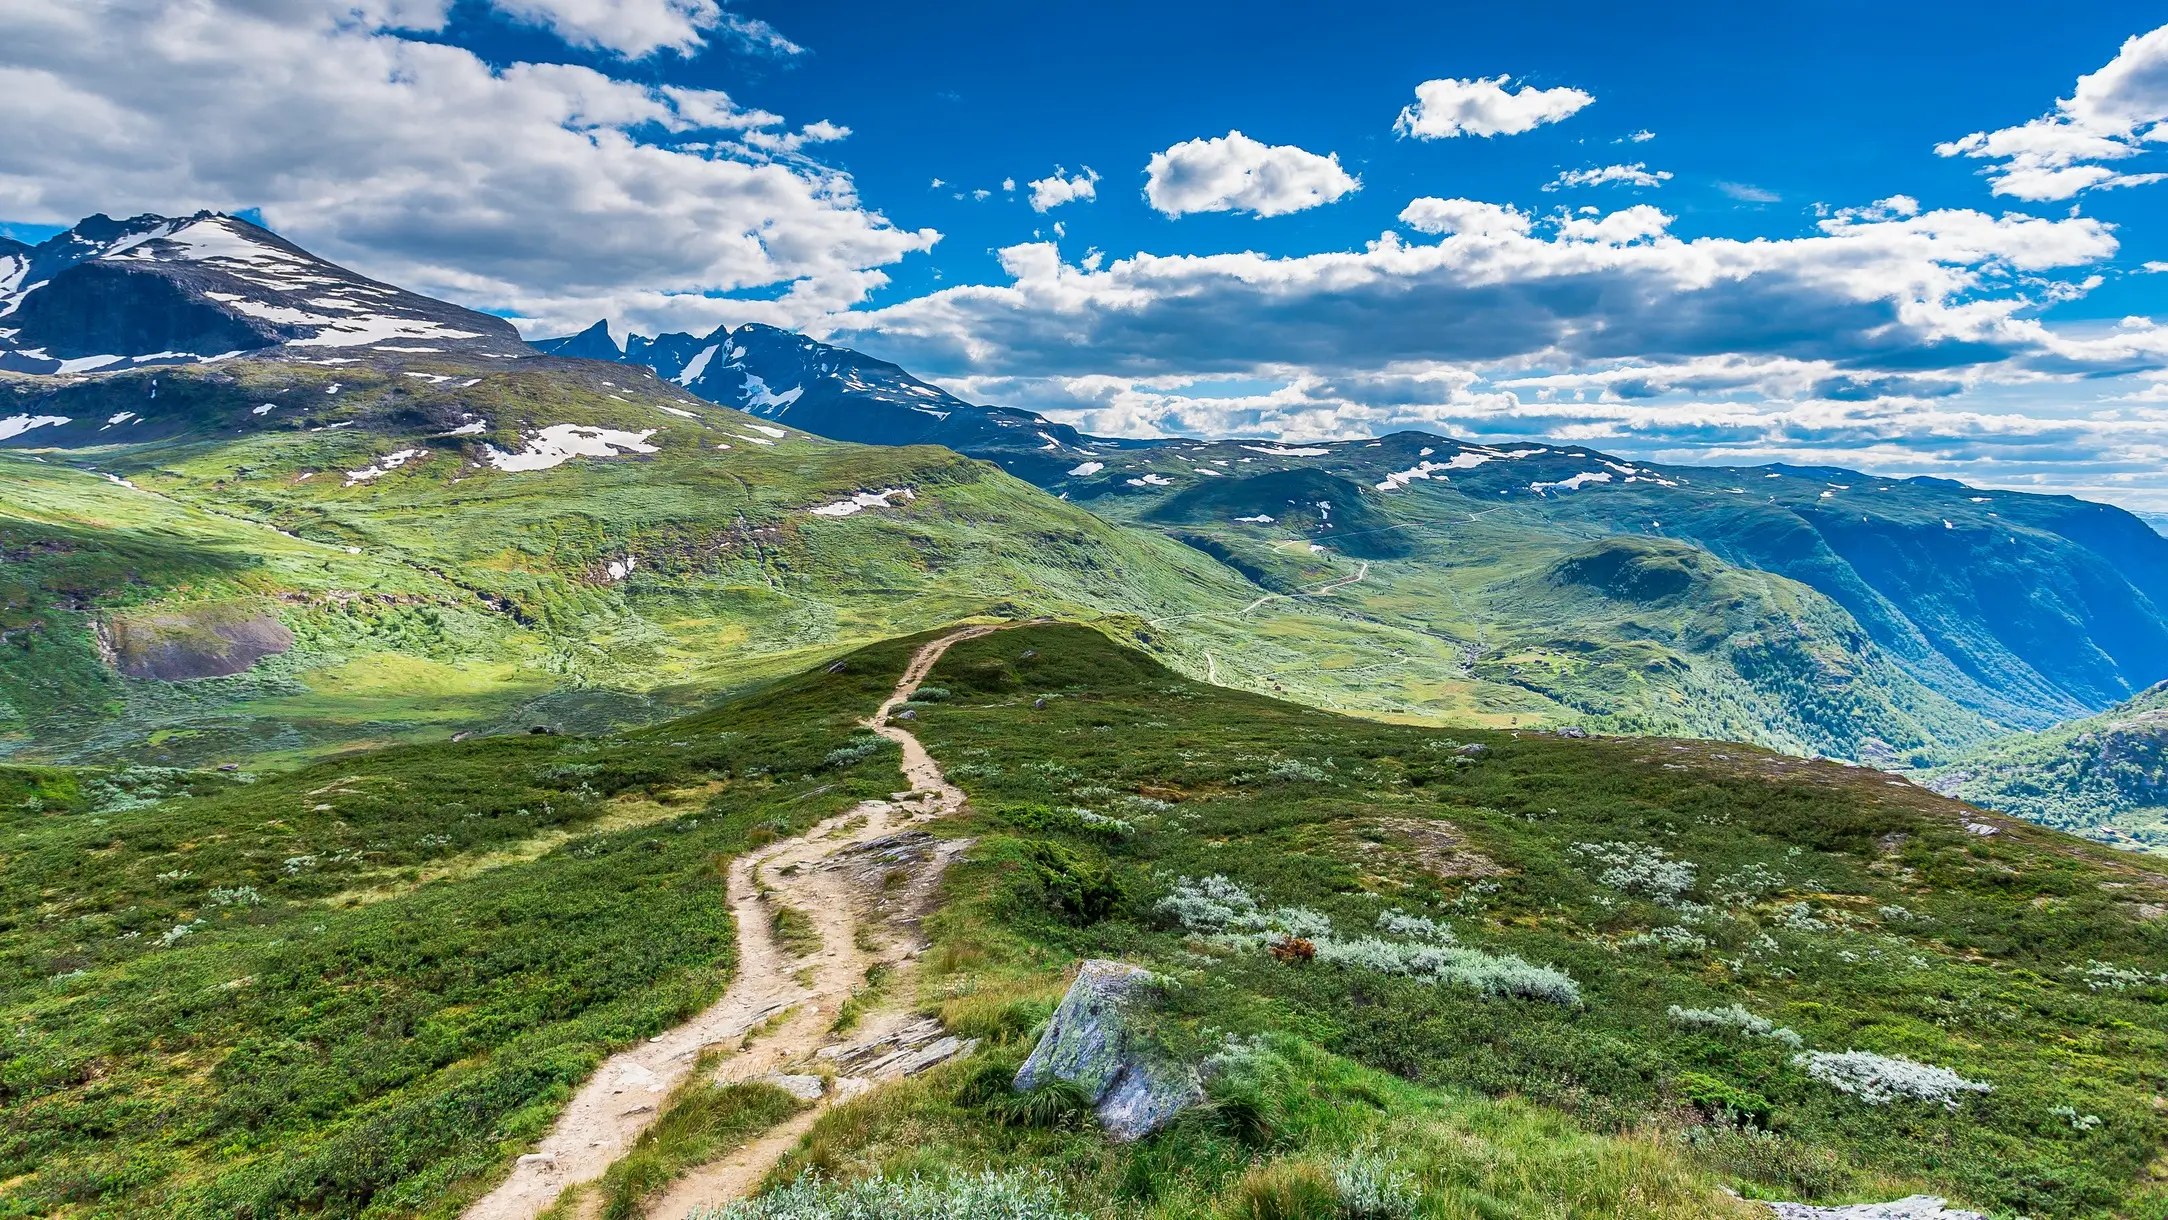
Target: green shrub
(1723,1101)
(1082,891)
(1283,1190)
(982,1196)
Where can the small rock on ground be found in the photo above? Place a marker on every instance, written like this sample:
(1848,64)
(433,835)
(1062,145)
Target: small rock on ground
(804,1088)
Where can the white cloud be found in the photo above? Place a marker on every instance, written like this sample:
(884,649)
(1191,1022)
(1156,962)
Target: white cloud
(1234,173)
(1451,107)
(1893,338)
(1747,193)
(2110,116)
(1059,188)
(642,27)
(1637,174)
(553,190)
(1443,216)
(1877,292)
(1639,137)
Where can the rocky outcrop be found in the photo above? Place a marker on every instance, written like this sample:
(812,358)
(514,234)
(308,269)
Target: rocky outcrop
(1098,1042)
(1915,1207)
(204,640)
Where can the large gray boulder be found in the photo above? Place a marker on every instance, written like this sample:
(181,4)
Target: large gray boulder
(1097,1042)
(1915,1207)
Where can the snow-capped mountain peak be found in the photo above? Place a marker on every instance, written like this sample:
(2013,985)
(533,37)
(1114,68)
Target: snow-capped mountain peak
(160,290)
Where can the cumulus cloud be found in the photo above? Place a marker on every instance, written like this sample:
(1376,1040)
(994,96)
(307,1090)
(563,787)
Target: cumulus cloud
(1443,216)
(636,28)
(1891,338)
(1059,188)
(1874,289)
(2110,117)
(1234,173)
(1637,174)
(1484,107)
(551,190)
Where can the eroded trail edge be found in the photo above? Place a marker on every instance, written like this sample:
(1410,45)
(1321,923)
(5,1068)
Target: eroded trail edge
(791,1001)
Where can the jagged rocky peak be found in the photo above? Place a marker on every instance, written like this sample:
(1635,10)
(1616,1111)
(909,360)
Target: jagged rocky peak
(111,294)
(820,387)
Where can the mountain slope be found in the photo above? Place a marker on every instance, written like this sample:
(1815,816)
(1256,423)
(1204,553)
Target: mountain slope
(838,393)
(483,545)
(392,967)
(2022,609)
(161,290)
(1410,576)
(2103,776)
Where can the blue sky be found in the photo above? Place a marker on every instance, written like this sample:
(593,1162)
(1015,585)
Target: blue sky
(1838,103)
(1910,238)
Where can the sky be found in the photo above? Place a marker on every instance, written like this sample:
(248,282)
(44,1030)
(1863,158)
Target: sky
(1912,239)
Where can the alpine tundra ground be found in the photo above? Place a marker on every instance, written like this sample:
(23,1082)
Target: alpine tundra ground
(1547,975)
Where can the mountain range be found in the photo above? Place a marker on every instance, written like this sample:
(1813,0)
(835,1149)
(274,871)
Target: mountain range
(442,776)
(475,532)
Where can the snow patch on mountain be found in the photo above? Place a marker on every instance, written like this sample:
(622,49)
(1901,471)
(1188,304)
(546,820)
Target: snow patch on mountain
(1086,468)
(697,365)
(1575,483)
(758,395)
(390,461)
(861,501)
(16,425)
(1421,470)
(560,443)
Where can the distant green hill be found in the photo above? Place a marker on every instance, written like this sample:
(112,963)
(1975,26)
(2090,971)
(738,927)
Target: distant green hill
(2020,610)
(2103,776)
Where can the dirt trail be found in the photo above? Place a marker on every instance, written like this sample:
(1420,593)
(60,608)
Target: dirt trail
(825,873)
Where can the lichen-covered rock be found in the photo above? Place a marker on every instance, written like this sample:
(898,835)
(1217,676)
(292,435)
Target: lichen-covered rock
(1096,1041)
(1915,1207)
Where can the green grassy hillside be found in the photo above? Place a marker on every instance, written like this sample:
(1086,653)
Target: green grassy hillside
(279,558)
(426,591)
(1622,633)
(2015,610)
(361,987)
(2105,776)
(1856,912)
